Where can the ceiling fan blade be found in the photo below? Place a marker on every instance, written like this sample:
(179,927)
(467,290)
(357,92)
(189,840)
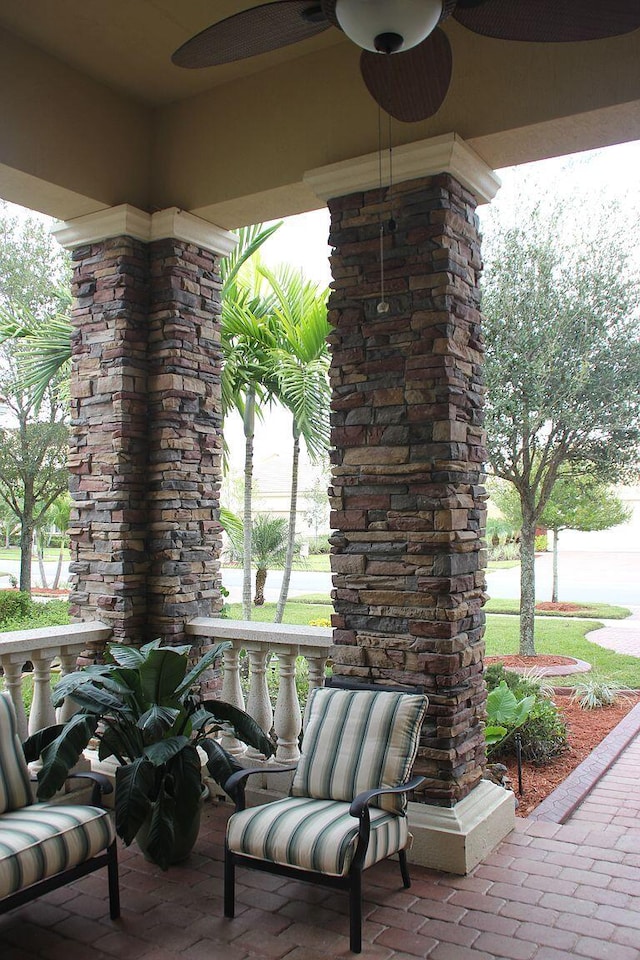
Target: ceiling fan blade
(253,31)
(548,21)
(412,85)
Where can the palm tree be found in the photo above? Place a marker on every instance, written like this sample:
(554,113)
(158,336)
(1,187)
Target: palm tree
(300,364)
(248,338)
(269,539)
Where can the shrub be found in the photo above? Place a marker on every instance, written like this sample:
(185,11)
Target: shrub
(544,733)
(14,604)
(595,692)
(53,613)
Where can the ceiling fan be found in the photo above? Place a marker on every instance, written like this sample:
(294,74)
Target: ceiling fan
(406,60)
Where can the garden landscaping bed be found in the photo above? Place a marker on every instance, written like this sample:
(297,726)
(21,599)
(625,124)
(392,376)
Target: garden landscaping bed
(586,729)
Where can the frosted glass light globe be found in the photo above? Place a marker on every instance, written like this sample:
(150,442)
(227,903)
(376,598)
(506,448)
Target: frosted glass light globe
(410,20)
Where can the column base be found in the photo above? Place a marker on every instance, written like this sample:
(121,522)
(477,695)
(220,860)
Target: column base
(456,839)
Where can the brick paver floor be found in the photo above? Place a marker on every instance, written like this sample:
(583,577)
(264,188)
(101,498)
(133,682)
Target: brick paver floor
(551,891)
(548,892)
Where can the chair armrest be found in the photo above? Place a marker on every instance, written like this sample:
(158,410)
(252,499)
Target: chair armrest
(362,801)
(101,785)
(235,785)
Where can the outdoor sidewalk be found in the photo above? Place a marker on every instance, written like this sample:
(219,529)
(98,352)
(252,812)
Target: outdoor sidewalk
(623,636)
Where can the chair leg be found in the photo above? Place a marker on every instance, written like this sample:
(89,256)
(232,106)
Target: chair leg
(404,868)
(114,883)
(355,912)
(229,884)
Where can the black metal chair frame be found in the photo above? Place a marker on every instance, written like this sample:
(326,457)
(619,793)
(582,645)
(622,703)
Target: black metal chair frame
(352,881)
(108,858)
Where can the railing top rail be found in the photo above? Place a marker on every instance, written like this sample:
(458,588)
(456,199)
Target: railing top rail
(41,638)
(268,634)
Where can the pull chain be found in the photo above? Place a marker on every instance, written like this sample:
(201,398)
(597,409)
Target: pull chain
(383,306)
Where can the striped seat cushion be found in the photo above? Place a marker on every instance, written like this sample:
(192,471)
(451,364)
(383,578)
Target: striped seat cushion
(317,835)
(43,839)
(15,790)
(357,740)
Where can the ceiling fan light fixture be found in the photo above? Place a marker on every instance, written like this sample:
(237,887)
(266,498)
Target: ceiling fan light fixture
(369,22)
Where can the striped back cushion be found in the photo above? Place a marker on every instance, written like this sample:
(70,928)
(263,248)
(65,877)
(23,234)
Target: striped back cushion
(15,791)
(357,740)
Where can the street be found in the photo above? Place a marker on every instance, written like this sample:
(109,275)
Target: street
(600,577)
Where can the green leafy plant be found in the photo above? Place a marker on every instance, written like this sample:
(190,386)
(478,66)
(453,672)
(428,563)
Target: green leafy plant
(14,604)
(505,713)
(145,710)
(595,692)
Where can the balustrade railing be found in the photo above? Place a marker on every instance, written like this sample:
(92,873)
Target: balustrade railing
(262,642)
(42,648)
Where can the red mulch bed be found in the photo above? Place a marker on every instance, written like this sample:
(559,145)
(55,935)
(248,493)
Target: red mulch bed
(587,728)
(530,663)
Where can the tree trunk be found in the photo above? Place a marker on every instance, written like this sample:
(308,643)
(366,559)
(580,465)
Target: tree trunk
(249,426)
(554,588)
(56,579)
(26,554)
(261,579)
(293,511)
(40,556)
(527,583)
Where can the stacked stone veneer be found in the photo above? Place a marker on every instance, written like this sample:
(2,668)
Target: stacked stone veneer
(406,494)
(145,447)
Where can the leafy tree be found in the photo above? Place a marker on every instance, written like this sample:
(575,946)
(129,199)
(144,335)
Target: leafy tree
(33,440)
(317,514)
(562,363)
(300,366)
(580,503)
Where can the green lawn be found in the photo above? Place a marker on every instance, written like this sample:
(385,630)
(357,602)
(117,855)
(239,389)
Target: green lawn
(553,636)
(602,611)
(564,638)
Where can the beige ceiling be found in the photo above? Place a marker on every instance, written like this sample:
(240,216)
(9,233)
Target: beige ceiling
(127,44)
(93,113)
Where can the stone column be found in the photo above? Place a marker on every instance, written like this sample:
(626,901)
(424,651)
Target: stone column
(408,505)
(146,420)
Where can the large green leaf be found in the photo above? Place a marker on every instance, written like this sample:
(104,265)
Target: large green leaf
(220,764)
(161,675)
(160,831)
(156,721)
(126,656)
(244,727)
(71,682)
(210,657)
(165,750)
(94,699)
(134,791)
(62,754)
(122,741)
(33,746)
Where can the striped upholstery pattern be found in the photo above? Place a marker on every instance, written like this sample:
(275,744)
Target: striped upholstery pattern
(315,835)
(357,740)
(43,839)
(15,791)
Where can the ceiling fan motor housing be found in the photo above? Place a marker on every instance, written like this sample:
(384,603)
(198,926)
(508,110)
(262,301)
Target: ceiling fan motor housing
(388,26)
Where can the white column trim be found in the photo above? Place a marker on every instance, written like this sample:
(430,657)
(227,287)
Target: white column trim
(445,154)
(127,221)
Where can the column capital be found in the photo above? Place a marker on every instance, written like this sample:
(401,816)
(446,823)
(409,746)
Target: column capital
(127,221)
(446,154)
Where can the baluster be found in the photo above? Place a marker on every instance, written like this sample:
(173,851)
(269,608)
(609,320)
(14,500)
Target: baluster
(287,718)
(258,702)
(13,681)
(68,664)
(232,693)
(42,713)
(316,663)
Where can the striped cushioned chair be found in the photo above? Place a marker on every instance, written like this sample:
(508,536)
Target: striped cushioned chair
(347,805)
(45,845)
